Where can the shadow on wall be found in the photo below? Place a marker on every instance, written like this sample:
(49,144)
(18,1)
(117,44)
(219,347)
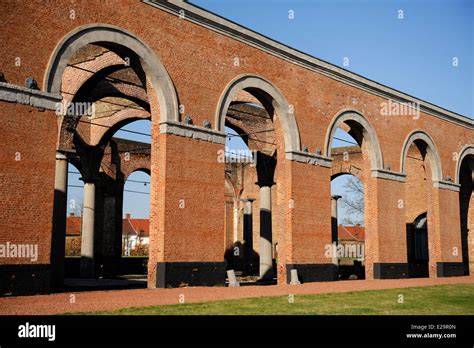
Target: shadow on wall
(237,260)
(128,265)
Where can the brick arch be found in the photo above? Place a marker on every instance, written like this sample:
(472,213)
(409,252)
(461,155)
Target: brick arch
(465,151)
(72,80)
(354,166)
(113,89)
(431,151)
(368,134)
(105,33)
(278,101)
(113,123)
(139,168)
(229,187)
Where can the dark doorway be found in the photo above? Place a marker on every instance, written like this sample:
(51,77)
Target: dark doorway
(417,243)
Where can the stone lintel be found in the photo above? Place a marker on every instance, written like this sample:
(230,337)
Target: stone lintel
(447,185)
(310,158)
(26,96)
(191,131)
(388,175)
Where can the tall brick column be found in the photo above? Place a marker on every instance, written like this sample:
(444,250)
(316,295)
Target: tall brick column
(308,225)
(385,238)
(444,234)
(187,236)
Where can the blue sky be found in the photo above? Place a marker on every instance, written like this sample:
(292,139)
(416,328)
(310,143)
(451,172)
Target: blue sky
(414,54)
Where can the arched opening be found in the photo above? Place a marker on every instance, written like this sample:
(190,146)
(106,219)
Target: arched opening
(127,164)
(421,165)
(466,193)
(259,128)
(108,79)
(347,205)
(136,226)
(357,126)
(237,158)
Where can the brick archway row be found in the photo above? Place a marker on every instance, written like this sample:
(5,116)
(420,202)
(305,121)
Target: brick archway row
(188,187)
(168,99)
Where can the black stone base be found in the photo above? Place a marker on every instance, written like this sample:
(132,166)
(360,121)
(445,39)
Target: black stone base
(307,273)
(450,269)
(17,280)
(418,270)
(175,274)
(391,270)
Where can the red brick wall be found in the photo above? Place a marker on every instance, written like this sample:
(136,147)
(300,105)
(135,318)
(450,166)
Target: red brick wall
(27,185)
(187,202)
(179,44)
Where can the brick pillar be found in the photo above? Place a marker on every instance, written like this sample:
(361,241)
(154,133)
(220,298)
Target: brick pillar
(187,236)
(308,225)
(385,237)
(444,234)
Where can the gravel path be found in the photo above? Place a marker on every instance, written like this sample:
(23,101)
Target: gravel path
(116,299)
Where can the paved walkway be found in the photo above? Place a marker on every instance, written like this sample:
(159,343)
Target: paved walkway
(116,299)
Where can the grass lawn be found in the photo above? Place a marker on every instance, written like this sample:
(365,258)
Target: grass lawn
(435,300)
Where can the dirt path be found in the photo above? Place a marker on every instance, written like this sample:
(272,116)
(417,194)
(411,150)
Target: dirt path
(116,299)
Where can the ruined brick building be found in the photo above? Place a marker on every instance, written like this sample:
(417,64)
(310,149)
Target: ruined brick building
(193,73)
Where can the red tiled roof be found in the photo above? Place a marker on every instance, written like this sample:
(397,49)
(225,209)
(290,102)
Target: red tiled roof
(73,226)
(351,233)
(129,226)
(134,226)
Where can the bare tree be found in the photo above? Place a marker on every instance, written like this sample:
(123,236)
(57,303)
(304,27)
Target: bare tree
(78,209)
(353,202)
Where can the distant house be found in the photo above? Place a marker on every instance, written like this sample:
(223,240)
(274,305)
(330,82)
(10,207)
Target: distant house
(135,233)
(73,225)
(353,239)
(73,235)
(351,233)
